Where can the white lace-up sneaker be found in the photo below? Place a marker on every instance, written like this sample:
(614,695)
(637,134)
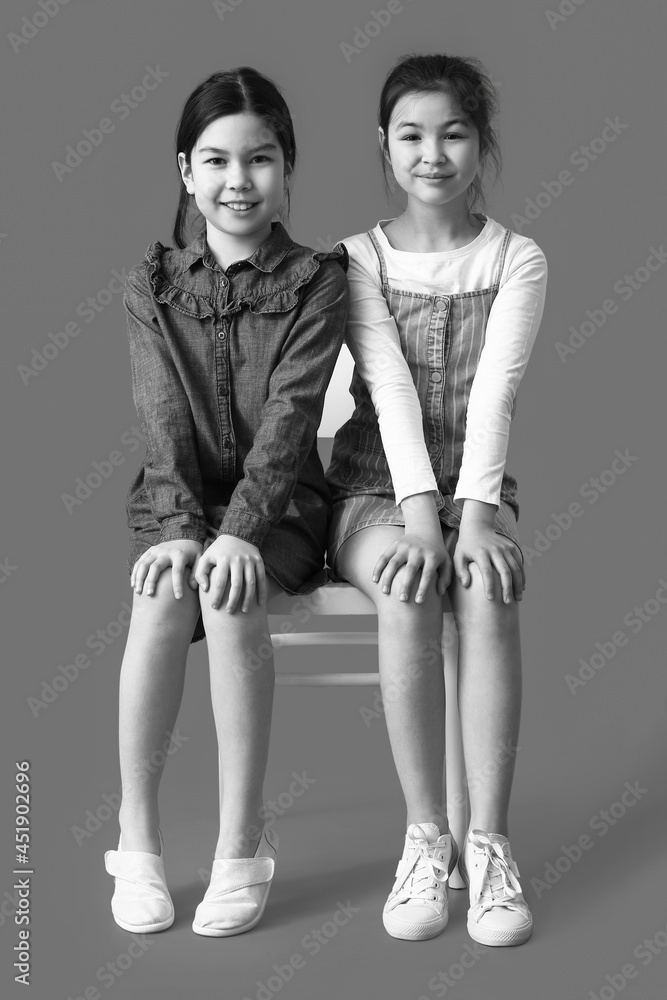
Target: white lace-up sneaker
(417,905)
(498,913)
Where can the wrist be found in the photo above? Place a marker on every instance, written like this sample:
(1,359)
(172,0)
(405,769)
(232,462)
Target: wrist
(478,513)
(419,512)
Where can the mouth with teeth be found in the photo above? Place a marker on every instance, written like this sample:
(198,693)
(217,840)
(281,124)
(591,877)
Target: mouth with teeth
(239,206)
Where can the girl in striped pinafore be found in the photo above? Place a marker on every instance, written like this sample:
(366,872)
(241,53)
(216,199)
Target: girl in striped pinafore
(444,309)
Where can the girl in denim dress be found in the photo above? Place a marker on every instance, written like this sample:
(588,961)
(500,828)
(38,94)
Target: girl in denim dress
(444,309)
(233,339)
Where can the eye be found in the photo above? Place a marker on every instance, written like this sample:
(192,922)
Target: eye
(405,137)
(214,159)
(454,135)
(262,158)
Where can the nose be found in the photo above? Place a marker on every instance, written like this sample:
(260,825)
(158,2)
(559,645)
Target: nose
(237,177)
(433,152)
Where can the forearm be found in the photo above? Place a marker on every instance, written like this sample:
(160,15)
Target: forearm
(477,512)
(420,513)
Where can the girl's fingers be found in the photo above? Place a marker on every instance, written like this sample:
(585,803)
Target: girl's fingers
(409,574)
(158,564)
(218,582)
(139,572)
(202,570)
(260,575)
(499,559)
(485,568)
(177,571)
(389,573)
(250,586)
(444,576)
(193,572)
(235,586)
(382,562)
(517,575)
(461,567)
(428,572)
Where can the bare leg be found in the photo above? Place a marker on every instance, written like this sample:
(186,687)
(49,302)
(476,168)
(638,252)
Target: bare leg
(242,684)
(411,674)
(151,688)
(489,697)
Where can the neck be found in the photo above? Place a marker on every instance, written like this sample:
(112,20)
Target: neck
(227,248)
(429,228)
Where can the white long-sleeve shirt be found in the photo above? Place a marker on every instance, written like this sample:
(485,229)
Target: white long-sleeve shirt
(373,340)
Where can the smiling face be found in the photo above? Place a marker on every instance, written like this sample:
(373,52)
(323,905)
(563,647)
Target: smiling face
(237,176)
(433,148)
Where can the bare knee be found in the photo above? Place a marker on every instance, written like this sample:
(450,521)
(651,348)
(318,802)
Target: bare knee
(474,607)
(162,609)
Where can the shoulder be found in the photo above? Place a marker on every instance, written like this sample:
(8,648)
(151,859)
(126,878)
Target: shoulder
(523,256)
(305,268)
(362,257)
(158,262)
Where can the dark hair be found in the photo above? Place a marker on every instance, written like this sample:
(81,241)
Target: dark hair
(465,81)
(229,93)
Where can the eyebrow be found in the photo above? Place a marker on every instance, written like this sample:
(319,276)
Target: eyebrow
(452,121)
(255,149)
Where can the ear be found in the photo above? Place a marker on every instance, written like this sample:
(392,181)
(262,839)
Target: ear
(186,173)
(382,141)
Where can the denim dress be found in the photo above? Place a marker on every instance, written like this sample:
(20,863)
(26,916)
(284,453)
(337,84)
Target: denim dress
(441,337)
(229,373)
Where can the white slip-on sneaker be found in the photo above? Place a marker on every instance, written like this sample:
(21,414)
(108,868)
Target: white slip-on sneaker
(141,900)
(239,888)
(417,905)
(498,914)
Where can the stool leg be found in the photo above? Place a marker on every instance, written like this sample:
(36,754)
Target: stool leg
(457,792)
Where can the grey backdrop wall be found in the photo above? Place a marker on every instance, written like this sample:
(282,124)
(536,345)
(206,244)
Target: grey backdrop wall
(92,92)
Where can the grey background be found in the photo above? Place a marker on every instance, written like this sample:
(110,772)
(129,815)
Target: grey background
(341,840)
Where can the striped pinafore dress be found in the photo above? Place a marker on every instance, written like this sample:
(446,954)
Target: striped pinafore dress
(441,337)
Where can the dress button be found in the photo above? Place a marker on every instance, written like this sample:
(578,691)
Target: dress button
(433,449)
(436,376)
(441,304)
(222,390)
(225,442)
(221,334)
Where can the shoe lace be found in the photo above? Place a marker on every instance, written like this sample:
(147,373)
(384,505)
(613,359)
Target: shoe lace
(500,886)
(421,871)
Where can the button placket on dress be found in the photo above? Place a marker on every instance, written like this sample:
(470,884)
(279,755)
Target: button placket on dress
(221,348)
(438,351)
